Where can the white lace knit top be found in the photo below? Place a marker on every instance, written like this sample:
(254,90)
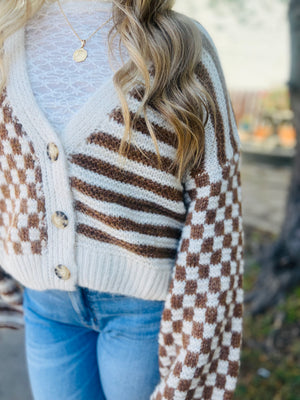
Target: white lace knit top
(59,84)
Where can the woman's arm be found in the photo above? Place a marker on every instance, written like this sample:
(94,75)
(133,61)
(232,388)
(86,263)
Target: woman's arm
(201,326)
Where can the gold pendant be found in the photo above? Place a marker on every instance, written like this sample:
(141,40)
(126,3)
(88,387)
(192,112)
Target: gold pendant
(80,55)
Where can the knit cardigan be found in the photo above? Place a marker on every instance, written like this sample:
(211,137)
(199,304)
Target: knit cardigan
(71,214)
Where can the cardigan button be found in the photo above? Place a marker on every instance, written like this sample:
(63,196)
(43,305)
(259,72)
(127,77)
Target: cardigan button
(52,151)
(59,219)
(62,272)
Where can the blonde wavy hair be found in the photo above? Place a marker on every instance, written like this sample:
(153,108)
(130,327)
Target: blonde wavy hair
(151,32)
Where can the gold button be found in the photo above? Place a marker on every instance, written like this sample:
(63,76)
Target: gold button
(62,272)
(52,151)
(59,219)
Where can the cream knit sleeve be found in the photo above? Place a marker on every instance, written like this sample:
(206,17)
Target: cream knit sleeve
(201,327)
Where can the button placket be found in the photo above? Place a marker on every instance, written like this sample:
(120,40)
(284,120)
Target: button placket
(62,272)
(52,151)
(58,218)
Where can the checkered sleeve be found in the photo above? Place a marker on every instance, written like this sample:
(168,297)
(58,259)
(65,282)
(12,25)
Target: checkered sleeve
(201,327)
(200,335)
(11,298)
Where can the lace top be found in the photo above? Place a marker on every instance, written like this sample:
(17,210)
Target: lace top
(59,84)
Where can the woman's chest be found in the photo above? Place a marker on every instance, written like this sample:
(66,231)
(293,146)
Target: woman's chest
(59,84)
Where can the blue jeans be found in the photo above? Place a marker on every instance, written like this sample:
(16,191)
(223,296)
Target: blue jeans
(90,345)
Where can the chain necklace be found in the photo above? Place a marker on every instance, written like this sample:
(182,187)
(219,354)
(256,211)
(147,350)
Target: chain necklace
(80,54)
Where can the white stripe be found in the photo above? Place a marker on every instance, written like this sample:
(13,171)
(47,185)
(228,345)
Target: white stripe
(133,238)
(139,138)
(7,285)
(139,193)
(235,131)
(116,210)
(13,319)
(13,299)
(221,98)
(154,174)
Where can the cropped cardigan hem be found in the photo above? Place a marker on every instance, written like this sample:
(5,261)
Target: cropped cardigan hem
(105,271)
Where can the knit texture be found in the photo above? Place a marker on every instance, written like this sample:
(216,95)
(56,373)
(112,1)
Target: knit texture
(132,229)
(201,328)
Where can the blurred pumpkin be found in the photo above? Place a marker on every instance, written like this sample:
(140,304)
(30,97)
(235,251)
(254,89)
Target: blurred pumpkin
(263,131)
(287,135)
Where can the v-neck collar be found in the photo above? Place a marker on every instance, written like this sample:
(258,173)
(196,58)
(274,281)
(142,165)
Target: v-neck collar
(29,113)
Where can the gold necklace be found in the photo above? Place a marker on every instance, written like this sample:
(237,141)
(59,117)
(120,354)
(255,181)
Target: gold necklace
(80,54)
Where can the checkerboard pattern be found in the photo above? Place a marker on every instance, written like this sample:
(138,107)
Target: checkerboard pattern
(201,326)
(22,203)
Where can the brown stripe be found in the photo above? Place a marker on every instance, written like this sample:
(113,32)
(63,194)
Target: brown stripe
(192,193)
(3,96)
(140,125)
(126,224)
(104,168)
(99,193)
(6,326)
(7,114)
(9,310)
(112,143)
(205,79)
(10,293)
(208,46)
(3,133)
(138,93)
(143,250)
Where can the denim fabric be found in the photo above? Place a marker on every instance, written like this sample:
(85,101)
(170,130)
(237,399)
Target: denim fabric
(90,345)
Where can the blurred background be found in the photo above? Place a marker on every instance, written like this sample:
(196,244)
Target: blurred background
(259,47)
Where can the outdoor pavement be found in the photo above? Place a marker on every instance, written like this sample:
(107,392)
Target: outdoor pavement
(13,374)
(264,193)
